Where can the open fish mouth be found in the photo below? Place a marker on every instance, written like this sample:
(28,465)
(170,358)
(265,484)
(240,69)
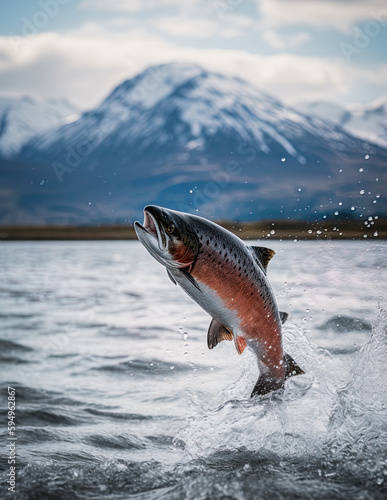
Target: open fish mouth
(153,228)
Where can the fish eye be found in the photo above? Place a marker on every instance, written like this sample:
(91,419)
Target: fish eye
(170,228)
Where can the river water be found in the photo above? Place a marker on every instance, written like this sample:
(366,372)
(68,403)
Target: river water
(118,397)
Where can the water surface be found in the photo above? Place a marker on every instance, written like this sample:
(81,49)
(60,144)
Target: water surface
(118,396)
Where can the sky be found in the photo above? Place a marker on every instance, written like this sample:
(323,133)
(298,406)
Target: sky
(296,50)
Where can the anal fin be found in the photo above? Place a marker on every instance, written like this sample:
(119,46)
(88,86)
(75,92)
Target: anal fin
(240,344)
(217,333)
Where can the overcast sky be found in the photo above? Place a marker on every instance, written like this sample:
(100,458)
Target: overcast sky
(295,49)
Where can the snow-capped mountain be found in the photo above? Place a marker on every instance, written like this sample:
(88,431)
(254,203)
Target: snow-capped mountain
(21,119)
(366,121)
(180,136)
(181,105)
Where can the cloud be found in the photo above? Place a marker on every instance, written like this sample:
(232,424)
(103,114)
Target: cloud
(282,42)
(124,5)
(134,5)
(339,14)
(182,26)
(84,65)
(187,27)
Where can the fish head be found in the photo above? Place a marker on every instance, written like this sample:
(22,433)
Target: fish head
(167,236)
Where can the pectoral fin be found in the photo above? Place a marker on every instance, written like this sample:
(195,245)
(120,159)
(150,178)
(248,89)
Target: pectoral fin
(171,277)
(190,278)
(240,344)
(217,333)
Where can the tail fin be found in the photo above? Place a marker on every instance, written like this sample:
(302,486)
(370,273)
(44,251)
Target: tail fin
(266,384)
(291,367)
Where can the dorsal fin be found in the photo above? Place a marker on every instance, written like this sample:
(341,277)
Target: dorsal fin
(217,333)
(263,255)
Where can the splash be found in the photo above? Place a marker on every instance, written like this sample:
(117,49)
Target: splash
(339,427)
(358,431)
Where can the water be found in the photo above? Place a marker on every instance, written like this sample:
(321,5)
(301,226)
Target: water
(118,397)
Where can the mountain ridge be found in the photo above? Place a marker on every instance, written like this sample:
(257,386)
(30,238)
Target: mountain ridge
(22,119)
(180,136)
(365,121)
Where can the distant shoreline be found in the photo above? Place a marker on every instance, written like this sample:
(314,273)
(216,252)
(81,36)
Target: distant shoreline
(285,230)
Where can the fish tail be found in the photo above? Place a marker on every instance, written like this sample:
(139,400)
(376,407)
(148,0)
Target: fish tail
(266,384)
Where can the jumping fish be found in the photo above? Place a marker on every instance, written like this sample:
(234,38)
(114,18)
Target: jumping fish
(227,278)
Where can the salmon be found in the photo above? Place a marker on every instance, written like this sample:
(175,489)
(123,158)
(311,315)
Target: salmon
(228,279)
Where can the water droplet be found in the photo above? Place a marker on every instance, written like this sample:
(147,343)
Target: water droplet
(367,157)
(283,159)
(361,169)
(336,213)
(352,208)
(362,191)
(172,367)
(376,233)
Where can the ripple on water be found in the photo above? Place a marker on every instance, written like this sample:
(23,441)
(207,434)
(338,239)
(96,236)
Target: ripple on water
(341,324)
(119,479)
(145,367)
(127,441)
(7,346)
(231,474)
